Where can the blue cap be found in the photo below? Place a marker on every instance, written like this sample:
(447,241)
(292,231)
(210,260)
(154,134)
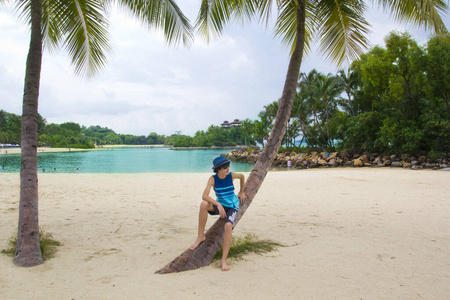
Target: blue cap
(218,161)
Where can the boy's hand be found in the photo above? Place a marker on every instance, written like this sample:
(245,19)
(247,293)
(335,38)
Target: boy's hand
(242,197)
(222,212)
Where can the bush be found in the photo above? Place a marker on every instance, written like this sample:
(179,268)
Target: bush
(435,155)
(47,243)
(241,246)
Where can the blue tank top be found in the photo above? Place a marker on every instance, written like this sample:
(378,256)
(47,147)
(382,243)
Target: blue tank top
(224,189)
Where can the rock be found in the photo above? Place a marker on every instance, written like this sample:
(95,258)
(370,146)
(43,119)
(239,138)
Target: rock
(332,162)
(364,158)
(406,164)
(378,160)
(332,155)
(323,162)
(396,164)
(358,163)
(312,166)
(405,158)
(339,159)
(348,164)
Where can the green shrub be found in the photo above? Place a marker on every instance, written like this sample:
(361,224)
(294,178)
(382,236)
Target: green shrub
(435,155)
(243,245)
(47,243)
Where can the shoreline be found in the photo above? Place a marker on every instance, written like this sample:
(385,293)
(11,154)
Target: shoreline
(8,151)
(346,234)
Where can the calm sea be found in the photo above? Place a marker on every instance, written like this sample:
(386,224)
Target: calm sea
(125,160)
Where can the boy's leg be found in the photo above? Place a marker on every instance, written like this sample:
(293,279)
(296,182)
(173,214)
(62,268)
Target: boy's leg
(226,245)
(202,218)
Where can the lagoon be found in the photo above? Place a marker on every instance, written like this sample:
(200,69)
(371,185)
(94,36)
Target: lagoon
(125,160)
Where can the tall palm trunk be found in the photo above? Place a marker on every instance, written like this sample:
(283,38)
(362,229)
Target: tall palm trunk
(328,126)
(28,251)
(204,253)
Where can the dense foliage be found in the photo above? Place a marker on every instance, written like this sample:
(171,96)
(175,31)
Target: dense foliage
(391,100)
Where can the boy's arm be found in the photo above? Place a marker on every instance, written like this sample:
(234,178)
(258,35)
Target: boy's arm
(207,198)
(241,178)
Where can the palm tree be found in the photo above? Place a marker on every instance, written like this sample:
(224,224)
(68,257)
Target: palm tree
(81,27)
(326,90)
(340,27)
(302,113)
(349,81)
(261,128)
(310,90)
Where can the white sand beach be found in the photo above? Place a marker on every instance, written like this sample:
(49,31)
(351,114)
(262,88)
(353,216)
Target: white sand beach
(347,234)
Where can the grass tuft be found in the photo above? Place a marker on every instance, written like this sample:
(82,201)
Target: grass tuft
(247,244)
(47,243)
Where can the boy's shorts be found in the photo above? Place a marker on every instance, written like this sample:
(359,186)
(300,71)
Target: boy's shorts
(231,213)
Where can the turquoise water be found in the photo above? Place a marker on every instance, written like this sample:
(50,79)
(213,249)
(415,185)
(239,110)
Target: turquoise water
(125,160)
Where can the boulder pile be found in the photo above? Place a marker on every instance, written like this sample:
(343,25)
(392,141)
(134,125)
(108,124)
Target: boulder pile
(340,159)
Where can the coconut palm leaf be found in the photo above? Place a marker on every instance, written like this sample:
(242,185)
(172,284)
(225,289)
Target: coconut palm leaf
(213,14)
(423,13)
(160,14)
(342,29)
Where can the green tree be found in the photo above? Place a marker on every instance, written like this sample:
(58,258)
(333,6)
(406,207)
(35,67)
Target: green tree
(438,69)
(406,90)
(349,82)
(81,27)
(262,129)
(326,90)
(10,126)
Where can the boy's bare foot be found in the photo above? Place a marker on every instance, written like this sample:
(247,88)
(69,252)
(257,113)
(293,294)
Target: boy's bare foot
(197,242)
(224,266)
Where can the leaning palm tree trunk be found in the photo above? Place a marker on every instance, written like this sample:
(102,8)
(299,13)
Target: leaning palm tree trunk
(28,251)
(204,253)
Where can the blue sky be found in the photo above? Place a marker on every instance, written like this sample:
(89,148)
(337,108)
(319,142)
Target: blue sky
(148,86)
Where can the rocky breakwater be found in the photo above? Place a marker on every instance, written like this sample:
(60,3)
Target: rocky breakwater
(341,159)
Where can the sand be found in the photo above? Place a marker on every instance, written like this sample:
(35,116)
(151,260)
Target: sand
(347,234)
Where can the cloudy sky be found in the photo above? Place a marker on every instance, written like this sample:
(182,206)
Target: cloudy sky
(150,87)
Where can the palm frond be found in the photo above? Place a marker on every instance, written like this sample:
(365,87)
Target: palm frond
(85,29)
(421,13)
(342,29)
(286,24)
(51,31)
(164,15)
(214,14)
